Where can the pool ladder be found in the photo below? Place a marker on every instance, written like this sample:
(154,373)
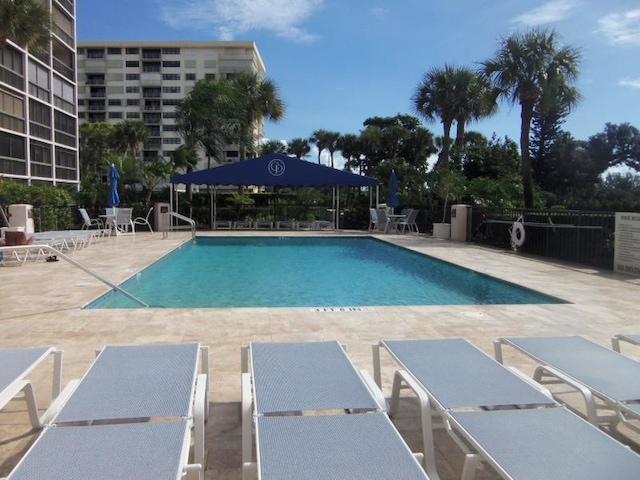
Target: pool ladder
(167,224)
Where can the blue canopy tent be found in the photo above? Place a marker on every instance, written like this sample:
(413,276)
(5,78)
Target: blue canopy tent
(277,169)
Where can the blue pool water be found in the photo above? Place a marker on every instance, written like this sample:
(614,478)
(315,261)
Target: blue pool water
(309,272)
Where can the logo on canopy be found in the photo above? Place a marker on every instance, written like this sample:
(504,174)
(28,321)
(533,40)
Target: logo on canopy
(276,167)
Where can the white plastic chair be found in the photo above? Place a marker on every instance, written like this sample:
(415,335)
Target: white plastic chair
(373,219)
(143,221)
(89,222)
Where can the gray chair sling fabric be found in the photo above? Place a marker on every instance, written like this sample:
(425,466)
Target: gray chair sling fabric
(139,381)
(458,374)
(294,377)
(609,375)
(546,443)
(140,451)
(632,339)
(17,363)
(333,447)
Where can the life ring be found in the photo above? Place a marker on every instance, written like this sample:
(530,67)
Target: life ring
(517,235)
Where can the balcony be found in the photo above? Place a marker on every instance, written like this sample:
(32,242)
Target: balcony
(67,4)
(62,35)
(64,70)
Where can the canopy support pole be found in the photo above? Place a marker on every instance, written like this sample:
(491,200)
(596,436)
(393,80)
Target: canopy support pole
(211,208)
(337,218)
(215,206)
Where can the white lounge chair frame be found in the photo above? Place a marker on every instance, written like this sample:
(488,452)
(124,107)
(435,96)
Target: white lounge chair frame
(616,339)
(473,380)
(15,365)
(596,398)
(93,398)
(142,221)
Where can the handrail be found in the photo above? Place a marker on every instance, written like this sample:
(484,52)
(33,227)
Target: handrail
(50,249)
(167,224)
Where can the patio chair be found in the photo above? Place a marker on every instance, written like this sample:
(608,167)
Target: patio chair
(373,219)
(606,379)
(144,451)
(140,382)
(123,222)
(88,222)
(331,447)
(293,378)
(385,223)
(539,444)
(16,365)
(142,221)
(409,222)
(631,339)
(451,374)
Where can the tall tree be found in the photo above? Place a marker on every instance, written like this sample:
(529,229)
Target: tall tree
(321,139)
(131,134)
(258,98)
(617,145)
(27,23)
(476,100)
(333,140)
(524,67)
(299,147)
(273,146)
(440,95)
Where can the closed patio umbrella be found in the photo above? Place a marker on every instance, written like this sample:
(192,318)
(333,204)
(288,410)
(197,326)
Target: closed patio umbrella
(392,199)
(114,198)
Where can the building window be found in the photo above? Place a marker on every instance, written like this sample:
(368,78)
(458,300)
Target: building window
(131,115)
(132,89)
(115,115)
(133,102)
(132,76)
(40,160)
(190,76)
(170,101)
(114,51)
(11,112)
(169,114)
(151,67)
(132,63)
(66,164)
(11,68)
(233,154)
(171,51)
(39,119)
(171,141)
(39,81)
(170,128)
(115,102)
(132,51)
(170,89)
(95,52)
(171,64)
(64,95)
(81,102)
(209,76)
(170,76)
(12,154)
(65,129)
(81,51)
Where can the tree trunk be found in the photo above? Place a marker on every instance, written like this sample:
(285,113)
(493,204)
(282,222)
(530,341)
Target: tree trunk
(460,132)
(527,177)
(443,156)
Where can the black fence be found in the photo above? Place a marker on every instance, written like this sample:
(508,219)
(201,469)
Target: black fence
(586,238)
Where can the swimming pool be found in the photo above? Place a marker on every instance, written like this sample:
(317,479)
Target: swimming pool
(228,272)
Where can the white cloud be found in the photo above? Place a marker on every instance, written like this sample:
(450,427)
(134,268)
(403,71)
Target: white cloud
(550,12)
(630,82)
(621,28)
(231,18)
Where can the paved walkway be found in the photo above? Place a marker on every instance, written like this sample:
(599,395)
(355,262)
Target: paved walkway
(41,305)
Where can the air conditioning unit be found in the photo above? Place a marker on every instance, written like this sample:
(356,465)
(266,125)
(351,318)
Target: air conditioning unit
(21,215)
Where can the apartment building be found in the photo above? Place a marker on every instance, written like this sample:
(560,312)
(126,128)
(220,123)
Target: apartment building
(145,80)
(38,117)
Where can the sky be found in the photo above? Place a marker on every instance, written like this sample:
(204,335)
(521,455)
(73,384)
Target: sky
(338,62)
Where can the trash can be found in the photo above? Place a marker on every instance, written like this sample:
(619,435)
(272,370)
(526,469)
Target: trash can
(460,220)
(159,219)
(21,215)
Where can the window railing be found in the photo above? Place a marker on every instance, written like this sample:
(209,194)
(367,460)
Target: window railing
(67,4)
(62,35)
(62,68)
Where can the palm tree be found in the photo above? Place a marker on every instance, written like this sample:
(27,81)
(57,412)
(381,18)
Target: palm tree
(299,147)
(259,99)
(524,68)
(27,23)
(333,140)
(131,134)
(272,146)
(439,95)
(321,138)
(476,100)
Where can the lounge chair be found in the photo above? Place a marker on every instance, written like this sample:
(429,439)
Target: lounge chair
(222,225)
(143,221)
(541,443)
(304,225)
(16,364)
(141,451)
(292,378)
(332,447)
(242,225)
(285,225)
(616,339)
(298,394)
(323,225)
(132,383)
(606,379)
(450,374)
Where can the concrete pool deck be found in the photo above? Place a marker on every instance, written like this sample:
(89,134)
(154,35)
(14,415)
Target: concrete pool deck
(41,306)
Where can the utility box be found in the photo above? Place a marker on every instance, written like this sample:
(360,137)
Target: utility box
(21,215)
(460,221)
(161,222)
